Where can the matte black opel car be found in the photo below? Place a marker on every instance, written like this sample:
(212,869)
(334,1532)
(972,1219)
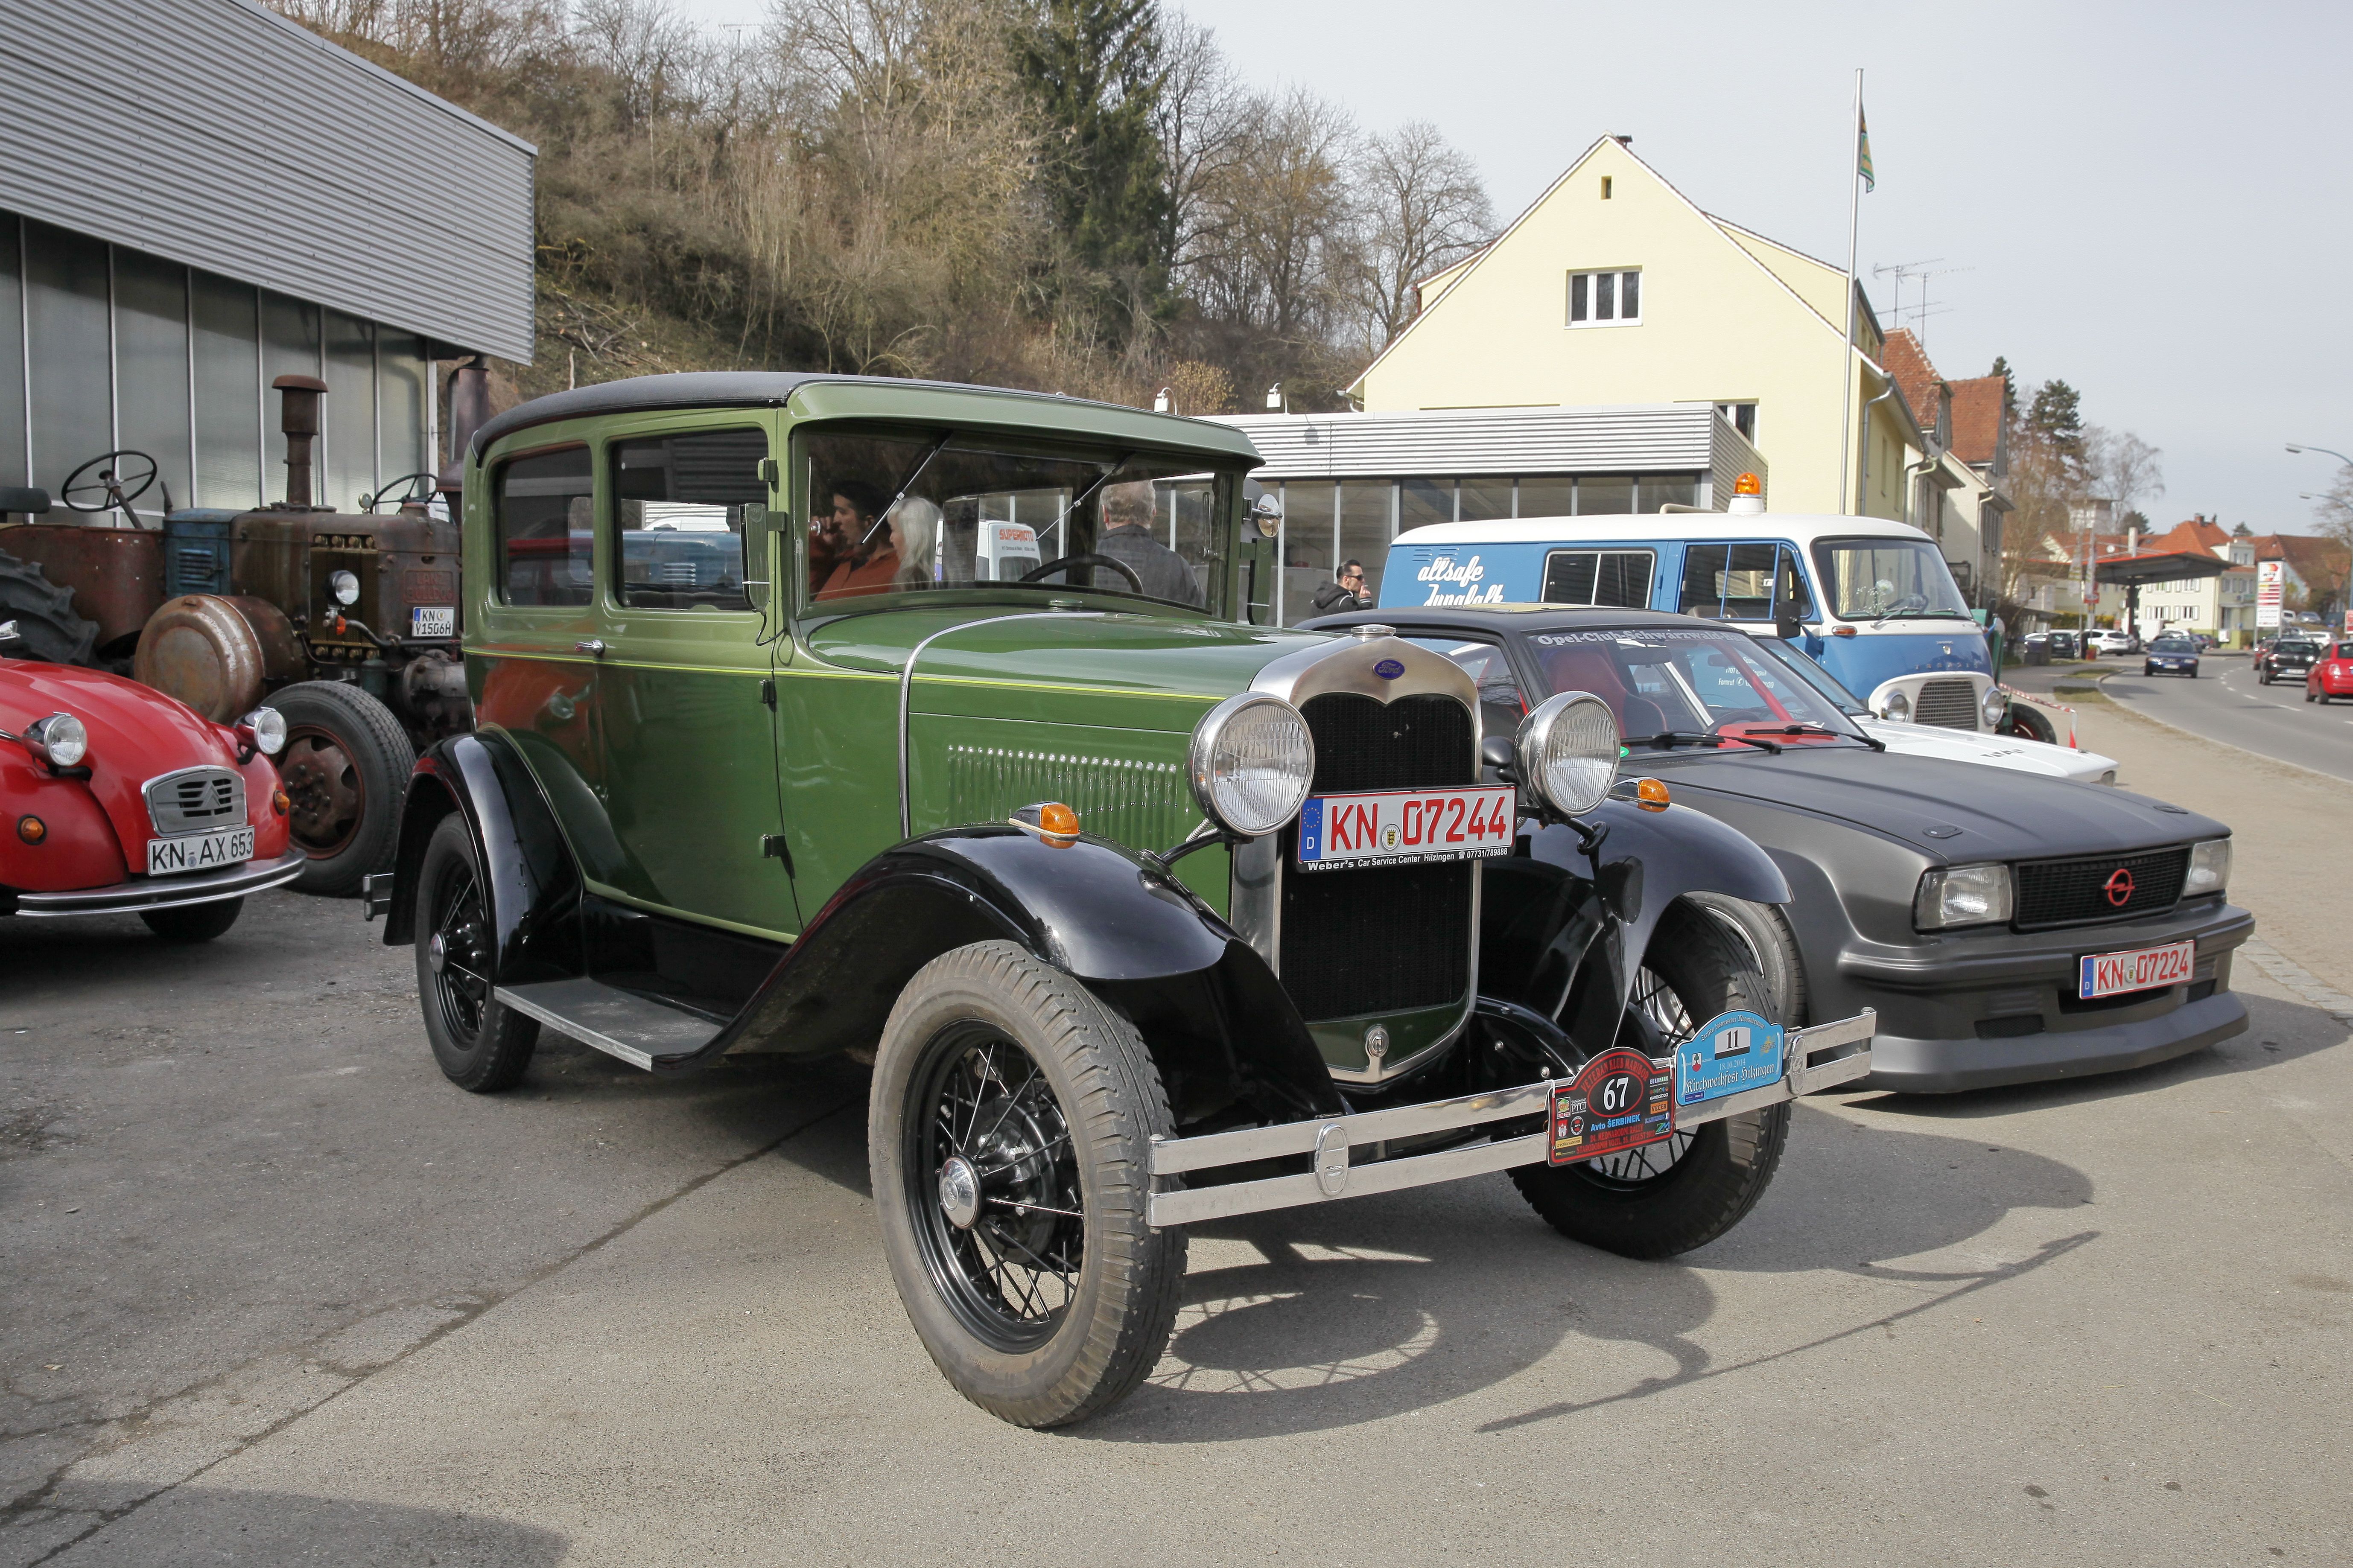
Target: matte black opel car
(2008,927)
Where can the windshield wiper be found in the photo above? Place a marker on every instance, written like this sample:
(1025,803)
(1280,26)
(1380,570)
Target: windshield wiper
(1808,727)
(1926,616)
(1667,739)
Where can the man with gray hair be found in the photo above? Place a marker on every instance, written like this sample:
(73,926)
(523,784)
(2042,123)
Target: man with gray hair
(1127,511)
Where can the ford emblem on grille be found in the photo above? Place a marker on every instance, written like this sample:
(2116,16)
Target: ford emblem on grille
(1388,669)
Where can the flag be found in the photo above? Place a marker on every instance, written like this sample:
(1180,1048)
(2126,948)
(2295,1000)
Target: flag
(1862,150)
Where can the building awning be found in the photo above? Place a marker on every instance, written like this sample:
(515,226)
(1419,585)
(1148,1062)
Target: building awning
(2139,571)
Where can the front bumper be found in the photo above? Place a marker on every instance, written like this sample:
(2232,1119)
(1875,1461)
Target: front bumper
(1819,1057)
(161,892)
(1945,1067)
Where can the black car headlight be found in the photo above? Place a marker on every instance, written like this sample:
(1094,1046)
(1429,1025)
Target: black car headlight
(1962,896)
(2209,868)
(1252,761)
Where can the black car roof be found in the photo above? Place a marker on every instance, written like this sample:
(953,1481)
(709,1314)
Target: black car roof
(1514,617)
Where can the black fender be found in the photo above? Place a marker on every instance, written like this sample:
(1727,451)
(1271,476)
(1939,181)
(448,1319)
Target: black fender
(1563,926)
(532,882)
(1219,1025)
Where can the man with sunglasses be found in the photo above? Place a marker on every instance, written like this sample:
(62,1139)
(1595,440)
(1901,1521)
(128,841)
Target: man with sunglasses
(1345,591)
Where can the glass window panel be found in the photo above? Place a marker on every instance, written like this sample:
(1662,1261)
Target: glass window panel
(1568,577)
(1596,496)
(401,377)
(1793,585)
(546,528)
(67,341)
(12,355)
(683,506)
(290,346)
(1748,583)
(1580,286)
(151,357)
(228,393)
(1668,489)
(1484,500)
(1365,518)
(1630,297)
(1188,512)
(1425,501)
(1703,592)
(1622,579)
(347,419)
(1551,496)
(1605,292)
(1309,522)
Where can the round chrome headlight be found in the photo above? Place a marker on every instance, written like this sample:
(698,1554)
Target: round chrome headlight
(1252,762)
(1567,751)
(59,739)
(1897,707)
(344,587)
(1996,707)
(269,727)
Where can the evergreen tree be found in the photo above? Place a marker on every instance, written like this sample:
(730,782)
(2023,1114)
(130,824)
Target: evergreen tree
(2056,415)
(1095,73)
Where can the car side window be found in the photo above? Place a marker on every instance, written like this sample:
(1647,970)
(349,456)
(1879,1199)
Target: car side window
(1618,578)
(1742,582)
(546,528)
(682,506)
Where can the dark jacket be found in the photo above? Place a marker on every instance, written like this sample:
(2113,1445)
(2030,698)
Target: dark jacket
(1332,599)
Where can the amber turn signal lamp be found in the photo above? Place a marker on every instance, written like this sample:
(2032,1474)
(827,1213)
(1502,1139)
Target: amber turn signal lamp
(1748,484)
(32,829)
(1650,794)
(1059,820)
(278,801)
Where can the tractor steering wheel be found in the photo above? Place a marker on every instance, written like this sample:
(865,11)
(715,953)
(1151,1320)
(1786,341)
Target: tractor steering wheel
(1088,559)
(117,484)
(417,494)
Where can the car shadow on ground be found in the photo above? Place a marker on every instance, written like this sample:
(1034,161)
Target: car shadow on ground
(1308,1320)
(191,1525)
(2278,1031)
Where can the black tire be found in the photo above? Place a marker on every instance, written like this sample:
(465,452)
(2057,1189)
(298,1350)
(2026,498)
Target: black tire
(193,923)
(2149,671)
(1713,1175)
(1772,943)
(44,615)
(346,768)
(2025,722)
(482,1046)
(990,1031)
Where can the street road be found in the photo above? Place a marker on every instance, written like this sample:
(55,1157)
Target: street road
(276,1292)
(2225,704)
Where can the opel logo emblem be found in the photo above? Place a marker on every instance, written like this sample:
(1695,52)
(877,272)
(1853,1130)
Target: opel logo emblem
(2118,887)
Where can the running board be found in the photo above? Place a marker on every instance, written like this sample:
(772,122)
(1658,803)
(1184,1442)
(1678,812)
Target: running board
(618,1023)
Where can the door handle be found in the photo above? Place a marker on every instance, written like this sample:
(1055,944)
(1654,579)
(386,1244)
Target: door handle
(594,647)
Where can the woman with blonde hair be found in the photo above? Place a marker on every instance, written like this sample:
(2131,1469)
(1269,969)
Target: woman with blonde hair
(915,539)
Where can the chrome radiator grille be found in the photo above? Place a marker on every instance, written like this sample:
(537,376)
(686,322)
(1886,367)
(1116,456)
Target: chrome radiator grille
(195,799)
(1950,704)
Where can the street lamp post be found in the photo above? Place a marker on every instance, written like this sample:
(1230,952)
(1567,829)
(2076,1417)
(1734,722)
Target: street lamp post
(2341,457)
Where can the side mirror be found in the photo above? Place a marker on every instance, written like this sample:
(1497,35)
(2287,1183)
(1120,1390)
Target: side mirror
(1266,512)
(1786,625)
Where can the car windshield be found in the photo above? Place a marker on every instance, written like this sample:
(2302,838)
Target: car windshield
(1815,676)
(2173,643)
(1887,579)
(1688,684)
(893,514)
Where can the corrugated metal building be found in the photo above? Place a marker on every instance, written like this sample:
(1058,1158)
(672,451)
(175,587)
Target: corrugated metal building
(197,196)
(1349,483)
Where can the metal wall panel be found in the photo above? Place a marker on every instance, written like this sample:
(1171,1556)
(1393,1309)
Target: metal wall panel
(219,134)
(1645,437)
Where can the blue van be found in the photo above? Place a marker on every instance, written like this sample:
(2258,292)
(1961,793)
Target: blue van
(1871,601)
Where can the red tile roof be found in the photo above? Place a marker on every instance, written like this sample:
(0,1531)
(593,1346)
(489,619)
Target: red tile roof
(2321,562)
(1907,362)
(2195,535)
(1976,418)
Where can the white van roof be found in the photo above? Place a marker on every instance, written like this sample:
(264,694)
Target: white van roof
(1801,527)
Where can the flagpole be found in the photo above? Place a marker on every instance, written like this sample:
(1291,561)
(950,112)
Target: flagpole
(1846,348)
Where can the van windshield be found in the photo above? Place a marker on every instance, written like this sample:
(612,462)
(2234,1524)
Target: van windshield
(1673,683)
(1888,579)
(895,514)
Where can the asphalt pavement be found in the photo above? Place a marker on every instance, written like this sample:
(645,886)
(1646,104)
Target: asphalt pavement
(2226,704)
(277,1293)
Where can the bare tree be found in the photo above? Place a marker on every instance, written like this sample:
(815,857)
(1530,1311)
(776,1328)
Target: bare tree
(1421,208)
(1203,119)
(2122,466)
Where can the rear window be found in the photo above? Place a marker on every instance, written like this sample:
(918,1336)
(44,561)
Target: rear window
(546,528)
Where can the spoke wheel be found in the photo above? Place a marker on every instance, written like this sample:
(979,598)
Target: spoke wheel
(1663,1010)
(479,1042)
(1009,1131)
(457,949)
(991,1173)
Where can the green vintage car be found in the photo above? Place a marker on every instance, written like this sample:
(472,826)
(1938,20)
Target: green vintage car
(928,724)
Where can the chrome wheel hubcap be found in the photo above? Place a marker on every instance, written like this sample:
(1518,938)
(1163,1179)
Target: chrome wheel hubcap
(959,1192)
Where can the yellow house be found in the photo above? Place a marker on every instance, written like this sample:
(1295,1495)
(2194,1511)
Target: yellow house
(1614,289)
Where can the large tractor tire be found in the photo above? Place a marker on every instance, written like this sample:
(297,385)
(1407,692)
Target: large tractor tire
(44,615)
(345,770)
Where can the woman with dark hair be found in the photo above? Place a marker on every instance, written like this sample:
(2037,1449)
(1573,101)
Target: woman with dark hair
(850,550)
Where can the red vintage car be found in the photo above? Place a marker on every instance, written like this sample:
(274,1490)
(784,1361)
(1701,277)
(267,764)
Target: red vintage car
(116,798)
(2331,675)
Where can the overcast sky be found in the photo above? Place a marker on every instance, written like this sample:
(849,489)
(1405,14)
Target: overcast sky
(2150,200)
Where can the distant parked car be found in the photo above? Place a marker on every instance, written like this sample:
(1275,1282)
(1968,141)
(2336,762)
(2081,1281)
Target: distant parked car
(2206,644)
(2064,643)
(2109,639)
(2173,653)
(2330,678)
(2289,658)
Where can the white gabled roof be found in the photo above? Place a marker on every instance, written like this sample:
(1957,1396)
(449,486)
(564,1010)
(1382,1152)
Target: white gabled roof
(1802,527)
